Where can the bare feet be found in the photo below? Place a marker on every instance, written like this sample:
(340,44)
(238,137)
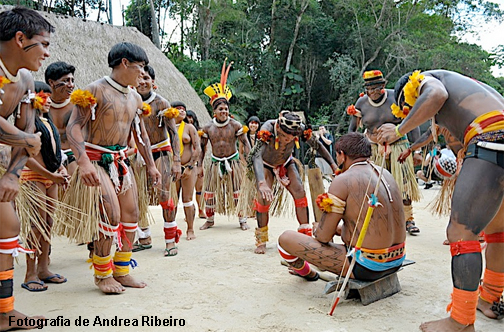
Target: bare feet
(129,281)
(207,225)
(244,226)
(15,317)
(171,250)
(201,214)
(486,309)
(190,235)
(109,286)
(261,249)
(446,325)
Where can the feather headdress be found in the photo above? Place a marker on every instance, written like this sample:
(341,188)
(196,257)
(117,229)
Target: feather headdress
(220,90)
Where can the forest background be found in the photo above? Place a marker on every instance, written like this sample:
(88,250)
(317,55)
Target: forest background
(303,55)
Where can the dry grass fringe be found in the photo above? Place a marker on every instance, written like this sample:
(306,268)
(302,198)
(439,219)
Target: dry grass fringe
(145,218)
(404,174)
(225,186)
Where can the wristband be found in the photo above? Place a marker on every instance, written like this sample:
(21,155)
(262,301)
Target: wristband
(397,132)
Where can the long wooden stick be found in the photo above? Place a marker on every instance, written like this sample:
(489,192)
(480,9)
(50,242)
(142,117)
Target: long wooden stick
(373,202)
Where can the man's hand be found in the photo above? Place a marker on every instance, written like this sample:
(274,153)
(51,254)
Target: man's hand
(176,171)
(200,171)
(88,174)
(34,144)
(9,187)
(265,191)
(59,178)
(387,133)
(405,154)
(155,176)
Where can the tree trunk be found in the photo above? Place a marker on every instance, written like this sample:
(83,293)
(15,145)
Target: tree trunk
(99,11)
(206,19)
(84,8)
(304,5)
(155,29)
(181,32)
(110,20)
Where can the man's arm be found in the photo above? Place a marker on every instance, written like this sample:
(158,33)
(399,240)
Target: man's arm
(9,183)
(145,151)
(314,143)
(80,116)
(203,141)
(246,145)
(10,135)
(328,224)
(414,135)
(352,127)
(432,97)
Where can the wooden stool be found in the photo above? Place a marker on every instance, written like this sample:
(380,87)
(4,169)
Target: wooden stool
(370,291)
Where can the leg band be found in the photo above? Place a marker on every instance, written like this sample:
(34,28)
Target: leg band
(122,262)
(305,229)
(12,247)
(102,266)
(168,205)
(492,287)
(198,193)
(129,227)
(209,204)
(494,238)
(261,235)
(464,247)
(463,306)
(172,233)
(304,270)
(261,208)
(285,255)
(188,204)
(301,202)
(107,229)
(6,290)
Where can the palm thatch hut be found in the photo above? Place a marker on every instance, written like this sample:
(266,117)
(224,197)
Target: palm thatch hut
(85,44)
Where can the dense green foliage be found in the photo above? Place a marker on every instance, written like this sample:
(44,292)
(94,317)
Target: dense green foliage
(309,55)
(306,55)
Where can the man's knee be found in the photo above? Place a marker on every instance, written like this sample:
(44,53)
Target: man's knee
(457,232)
(285,237)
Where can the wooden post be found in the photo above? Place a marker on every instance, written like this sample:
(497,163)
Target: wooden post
(316,188)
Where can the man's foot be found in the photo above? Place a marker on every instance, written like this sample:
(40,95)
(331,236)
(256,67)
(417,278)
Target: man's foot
(170,250)
(486,309)
(261,249)
(51,278)
(15,317)
(312,276)
(34,286)
(446,325)
(244,226)
(202,214)
(411,228)
(190,235)
(207,225)
(109,286)
(129,281)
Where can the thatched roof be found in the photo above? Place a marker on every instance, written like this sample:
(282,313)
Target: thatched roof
(85,44)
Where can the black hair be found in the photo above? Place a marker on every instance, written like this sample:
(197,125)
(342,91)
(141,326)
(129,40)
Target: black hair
(50,156)
(58,69)
(190,113)
(177,104)
(149,70)
(399,86)
(41,86)
(28,21)
(254,118)
(219,101)
(355,145)
(128,51)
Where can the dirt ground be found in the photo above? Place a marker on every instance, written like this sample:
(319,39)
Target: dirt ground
(217,283)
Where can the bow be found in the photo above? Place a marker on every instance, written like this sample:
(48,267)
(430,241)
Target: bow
(372,204)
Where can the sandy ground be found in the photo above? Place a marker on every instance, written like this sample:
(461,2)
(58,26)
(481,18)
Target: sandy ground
(217,283)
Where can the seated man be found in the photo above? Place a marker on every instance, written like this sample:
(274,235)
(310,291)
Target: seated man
(383,250)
